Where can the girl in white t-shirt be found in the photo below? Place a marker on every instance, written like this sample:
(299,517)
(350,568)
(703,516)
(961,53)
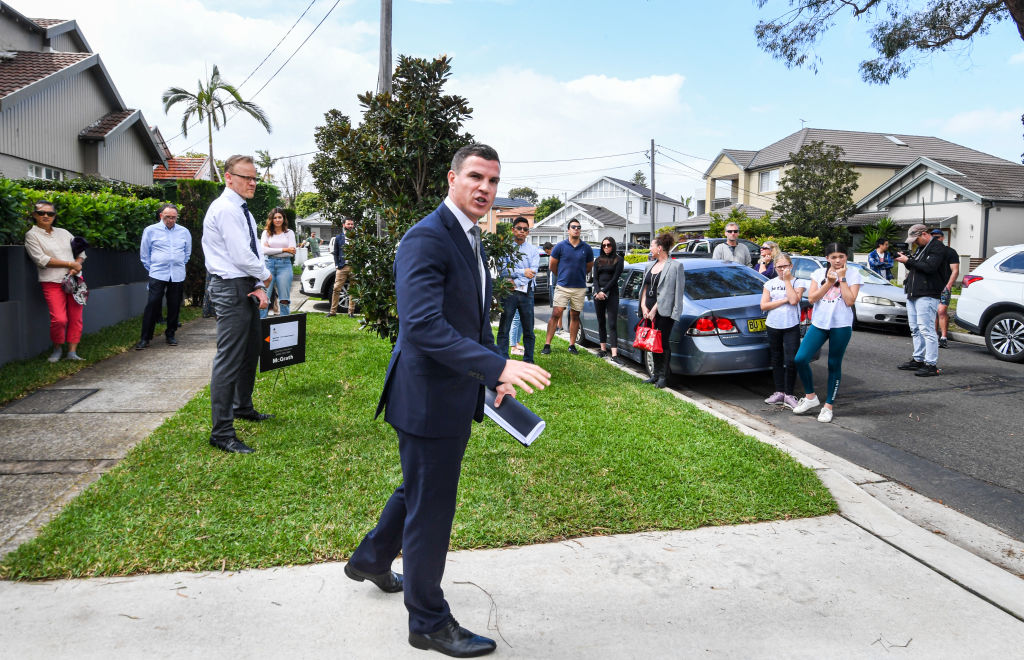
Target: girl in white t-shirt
(781,299)
(833,291)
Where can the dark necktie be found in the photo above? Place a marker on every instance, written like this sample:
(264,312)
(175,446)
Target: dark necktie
(475,231)
(248,224)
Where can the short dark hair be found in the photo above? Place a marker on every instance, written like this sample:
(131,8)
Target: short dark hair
(547,246)
(164,207)
(519,219)
(237,158)
(665,241)
(475,149)
(880,242)
(832,248)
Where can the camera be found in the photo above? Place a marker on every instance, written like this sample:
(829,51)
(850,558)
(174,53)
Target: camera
(901,247)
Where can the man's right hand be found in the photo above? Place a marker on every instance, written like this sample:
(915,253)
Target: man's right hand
(523,374)
(529,273)
(261,297)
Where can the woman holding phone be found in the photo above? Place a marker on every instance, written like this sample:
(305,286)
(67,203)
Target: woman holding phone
(833,291)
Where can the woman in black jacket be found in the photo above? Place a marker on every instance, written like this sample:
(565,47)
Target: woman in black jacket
(607,269)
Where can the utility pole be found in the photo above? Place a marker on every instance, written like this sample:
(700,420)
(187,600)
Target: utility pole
(384,71)
(654,201)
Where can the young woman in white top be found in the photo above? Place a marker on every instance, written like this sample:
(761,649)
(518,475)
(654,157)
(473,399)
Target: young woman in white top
(279,247)
(50,248)
(833,291)
(781,299)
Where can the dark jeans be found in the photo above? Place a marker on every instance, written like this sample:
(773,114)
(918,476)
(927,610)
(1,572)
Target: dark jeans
(524,303)
(783,345)
(157,290)
(417,520)
(606,311)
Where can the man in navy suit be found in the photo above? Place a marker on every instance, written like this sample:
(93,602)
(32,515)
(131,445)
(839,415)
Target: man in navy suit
(434,389)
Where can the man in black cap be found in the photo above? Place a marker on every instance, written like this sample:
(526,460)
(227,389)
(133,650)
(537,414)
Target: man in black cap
(923,286)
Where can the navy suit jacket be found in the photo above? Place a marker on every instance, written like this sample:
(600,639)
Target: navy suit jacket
(339,250)
(445,353)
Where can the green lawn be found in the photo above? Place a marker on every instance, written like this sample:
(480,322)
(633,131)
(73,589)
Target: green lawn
(21,377)
(617,456)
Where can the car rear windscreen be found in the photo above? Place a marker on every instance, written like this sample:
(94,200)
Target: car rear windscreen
(726,282)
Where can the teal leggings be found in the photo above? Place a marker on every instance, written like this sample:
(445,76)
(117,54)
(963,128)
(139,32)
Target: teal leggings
(814,339)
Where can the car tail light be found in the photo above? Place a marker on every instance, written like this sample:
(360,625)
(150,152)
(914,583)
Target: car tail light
(712,325)
(971,279)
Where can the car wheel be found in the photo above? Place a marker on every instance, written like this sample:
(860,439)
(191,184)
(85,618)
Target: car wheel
(1004,337)
(328,287)
(649,363)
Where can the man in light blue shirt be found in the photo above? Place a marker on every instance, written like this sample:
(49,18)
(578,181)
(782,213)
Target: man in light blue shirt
(166,247)
(522,273)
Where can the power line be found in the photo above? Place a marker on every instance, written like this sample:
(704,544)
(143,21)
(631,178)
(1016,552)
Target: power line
(274,49)
(708,160)
(565,160)
(555,175)
(756,194)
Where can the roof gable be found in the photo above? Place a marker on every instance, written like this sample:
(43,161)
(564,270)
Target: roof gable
(972,180)
(185,168)
(642,191)
(26,68)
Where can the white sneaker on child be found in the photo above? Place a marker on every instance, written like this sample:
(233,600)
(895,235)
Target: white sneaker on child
(805,405)
(825,415)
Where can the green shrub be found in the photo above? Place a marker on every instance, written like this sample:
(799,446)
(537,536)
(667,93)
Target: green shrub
(92,184)
(636,258)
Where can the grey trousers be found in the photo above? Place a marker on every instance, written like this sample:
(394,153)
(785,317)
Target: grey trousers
(238,350)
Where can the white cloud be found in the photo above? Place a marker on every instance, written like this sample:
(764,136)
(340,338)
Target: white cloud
(529,116)
(1017,59)
(993,131)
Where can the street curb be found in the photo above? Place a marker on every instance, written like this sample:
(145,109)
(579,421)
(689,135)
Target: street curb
(972,573)
(967,338)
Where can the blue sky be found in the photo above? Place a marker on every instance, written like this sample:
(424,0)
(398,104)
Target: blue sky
(556,80)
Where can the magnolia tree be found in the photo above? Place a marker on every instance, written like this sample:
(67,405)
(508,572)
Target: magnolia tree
(390,171)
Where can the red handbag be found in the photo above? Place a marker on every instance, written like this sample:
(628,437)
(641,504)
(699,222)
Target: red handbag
(648,338)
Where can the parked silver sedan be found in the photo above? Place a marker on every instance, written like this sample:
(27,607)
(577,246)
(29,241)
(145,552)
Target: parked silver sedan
(878,302)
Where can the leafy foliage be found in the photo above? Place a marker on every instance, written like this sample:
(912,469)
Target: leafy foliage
(763,229)
(816,193)
(217,95)
(389,172)
(524,192)
(902,34)
(639,178)
(884,228)
(92,184)
(547,206)
(306,204)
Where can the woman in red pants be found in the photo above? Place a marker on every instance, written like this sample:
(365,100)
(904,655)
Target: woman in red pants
(50,248)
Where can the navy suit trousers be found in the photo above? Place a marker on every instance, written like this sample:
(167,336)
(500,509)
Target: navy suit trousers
(417,520)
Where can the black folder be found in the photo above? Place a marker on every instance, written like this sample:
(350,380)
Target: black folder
(520,422)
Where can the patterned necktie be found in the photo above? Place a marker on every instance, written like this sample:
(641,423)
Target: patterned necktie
(252,236)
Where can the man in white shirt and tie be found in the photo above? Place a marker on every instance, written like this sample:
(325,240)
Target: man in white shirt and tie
(238,281)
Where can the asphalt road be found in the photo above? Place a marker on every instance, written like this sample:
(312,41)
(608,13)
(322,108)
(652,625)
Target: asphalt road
(957,438)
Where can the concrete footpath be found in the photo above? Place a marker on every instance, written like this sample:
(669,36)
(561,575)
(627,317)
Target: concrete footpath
(864,583)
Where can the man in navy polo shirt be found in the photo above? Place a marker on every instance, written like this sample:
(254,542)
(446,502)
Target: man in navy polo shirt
(570,262)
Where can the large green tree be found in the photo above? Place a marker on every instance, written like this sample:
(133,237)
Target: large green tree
(390,171)
(524,192)
(306,204)
(215,96)
(903,34)
(816,193)
(547,206)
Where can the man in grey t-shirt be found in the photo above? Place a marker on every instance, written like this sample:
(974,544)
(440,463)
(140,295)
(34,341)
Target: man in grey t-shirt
(732,249)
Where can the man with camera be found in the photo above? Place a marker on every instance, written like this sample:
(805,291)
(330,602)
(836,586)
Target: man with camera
(923,286)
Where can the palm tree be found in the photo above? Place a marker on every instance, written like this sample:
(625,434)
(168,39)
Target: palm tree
(216,95)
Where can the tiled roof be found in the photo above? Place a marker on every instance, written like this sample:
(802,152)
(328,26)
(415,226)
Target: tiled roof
(102,127)
(1003,182)
(739,156)
(643,191)
(509,202)
(603,215)
(48,22)
(871,148)
(27,67)
(704,219)
(178,168)
(517,210)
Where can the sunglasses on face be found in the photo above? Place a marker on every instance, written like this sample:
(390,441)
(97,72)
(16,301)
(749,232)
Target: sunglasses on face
(574,227)
(732,231)
(48,214)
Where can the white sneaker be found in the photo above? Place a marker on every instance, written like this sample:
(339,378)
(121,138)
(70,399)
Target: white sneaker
(778,397)
(825,415)
(805,404)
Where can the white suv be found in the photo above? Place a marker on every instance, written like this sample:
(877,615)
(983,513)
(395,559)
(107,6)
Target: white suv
(992,303)
(318,274)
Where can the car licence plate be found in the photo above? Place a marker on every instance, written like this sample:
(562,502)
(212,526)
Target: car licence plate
(755,325)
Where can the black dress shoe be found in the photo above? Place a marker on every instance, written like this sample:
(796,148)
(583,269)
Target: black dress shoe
(253,416)
(453,640)
(231,445)
(390,581)
(143,343)
(171,341)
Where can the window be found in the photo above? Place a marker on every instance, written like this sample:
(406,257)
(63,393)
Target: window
(673,214)
(645,207)
(631,290)
(629,206)
(768,181)
(722,282)
(701,248)
(1014,264)
(48,173)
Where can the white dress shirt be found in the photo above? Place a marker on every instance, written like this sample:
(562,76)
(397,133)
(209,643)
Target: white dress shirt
(467,225)
(226,240)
